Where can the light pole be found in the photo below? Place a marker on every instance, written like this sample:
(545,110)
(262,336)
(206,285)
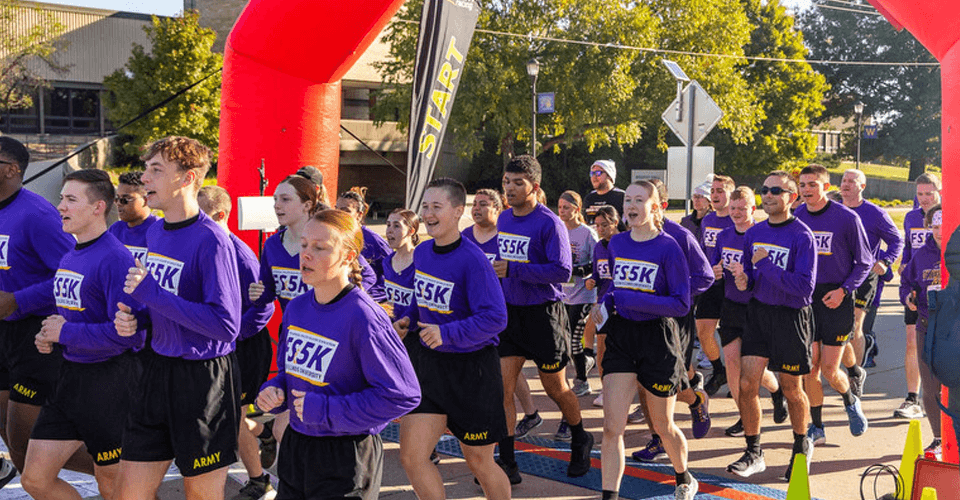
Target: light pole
(858,108)
(533,69)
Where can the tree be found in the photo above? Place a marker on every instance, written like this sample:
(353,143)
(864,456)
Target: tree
(606,92)
(180,55)
(903,100)
(23,51)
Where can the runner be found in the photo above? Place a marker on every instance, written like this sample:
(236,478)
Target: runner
(880,228)
(709,304)
(607,222)
(99,372)
(843,262)
(733,315)
(533,263)
(191,289)
(254,347)
(342,372)
(779,266)
(921,275)
(603,177)
(375,248)
(462,311)
(134,214)
(32,243)
(577,297)
(651,287)
(915,237)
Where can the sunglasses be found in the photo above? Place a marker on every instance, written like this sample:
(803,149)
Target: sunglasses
(596,173)
(123,200)
(776,190)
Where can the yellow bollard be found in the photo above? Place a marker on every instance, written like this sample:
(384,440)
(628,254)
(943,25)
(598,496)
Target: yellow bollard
(911,450)
(799,488)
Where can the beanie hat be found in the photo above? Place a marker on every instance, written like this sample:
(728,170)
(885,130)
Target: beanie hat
(607,166)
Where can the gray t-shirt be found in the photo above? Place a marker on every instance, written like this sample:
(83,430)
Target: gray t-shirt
(582,240)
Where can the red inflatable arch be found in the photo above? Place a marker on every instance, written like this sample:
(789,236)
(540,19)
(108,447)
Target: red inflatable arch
(936,24)
(281,88)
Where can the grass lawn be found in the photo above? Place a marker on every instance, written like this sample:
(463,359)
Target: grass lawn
(891,172)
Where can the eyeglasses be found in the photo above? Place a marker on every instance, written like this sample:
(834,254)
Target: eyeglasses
(775,190)
(123,200)
(596,173)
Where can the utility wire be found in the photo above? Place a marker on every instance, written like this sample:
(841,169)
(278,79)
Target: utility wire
(868,12)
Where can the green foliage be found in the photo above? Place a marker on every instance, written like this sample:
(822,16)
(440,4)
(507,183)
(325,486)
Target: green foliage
(904,100)
(180,54)
(24,49)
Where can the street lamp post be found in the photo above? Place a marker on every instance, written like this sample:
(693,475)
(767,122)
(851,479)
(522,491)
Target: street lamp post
(858,108)
(533,69)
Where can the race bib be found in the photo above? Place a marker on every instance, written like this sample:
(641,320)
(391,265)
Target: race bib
(433,293)
(710,236)
(635,274)
(398,295)
(824,242)
(778,255)
(139,253)
(309,355)
(514,247)
(4,251)
(165,271)
(288,283)
(66,289)
(729,256)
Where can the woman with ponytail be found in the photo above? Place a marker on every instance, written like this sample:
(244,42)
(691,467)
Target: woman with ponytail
(398,271)
(651,287)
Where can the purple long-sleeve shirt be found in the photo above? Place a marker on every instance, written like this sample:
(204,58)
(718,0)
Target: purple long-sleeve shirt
(536,246)
(32,243)
(843,253)
(399,289)
(346,356)
(650,278)
(915,233)
(602,272)
(456,288)
(701,275)
(375,249)
(254,316)
(787,275)
(921,275)
(192,289)
(87,287)
(729,249)
(880,228)
(710,227)
(134,238)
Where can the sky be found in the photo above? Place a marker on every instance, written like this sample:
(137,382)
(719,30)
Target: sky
(172,7)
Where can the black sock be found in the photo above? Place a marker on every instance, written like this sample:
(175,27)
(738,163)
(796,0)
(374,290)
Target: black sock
(717,366)
(698,402)
(753,444)
(848,398)
(684,478)
(577,433)
(611,495)
(267,431)
(263,478)
(532,415)
(853,372)
(816,414)
(580,365)
(798,442)
(507,455)
(589,352)
(912,397)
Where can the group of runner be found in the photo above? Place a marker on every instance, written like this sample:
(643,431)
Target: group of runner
(126,348)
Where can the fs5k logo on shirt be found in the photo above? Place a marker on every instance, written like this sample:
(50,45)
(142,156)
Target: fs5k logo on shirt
(166,271)
(603,269)
(66,289)
(514,247)
(729,256)
(778,255)
(710,236)
(139,253)
(635,274)
(918,237)
(433,293)
(824,241)
(288,283)
(4,247)
(398,295)
(309,355)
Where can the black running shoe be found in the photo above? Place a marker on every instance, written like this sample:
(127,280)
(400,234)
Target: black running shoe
(580,457)
(735,430)
(717,380)
(748,464)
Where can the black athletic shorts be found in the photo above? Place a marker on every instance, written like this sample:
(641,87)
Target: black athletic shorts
(781,334)
(91,404)
(831,326)
(254,357)
(539,332)
(650,349)
(467,388)
(323,468)
(30,377)
(188,410)
(687,330)
(864,295)
(732,321)
(909,318)
(710,302)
